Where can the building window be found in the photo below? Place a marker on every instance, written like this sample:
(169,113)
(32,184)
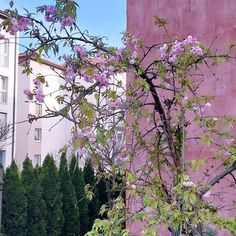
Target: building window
(3,118)
(37,160)
(2,157)
(4,128)
(3,89)
(38,109)
(120,137)
(4,53)
(38,134)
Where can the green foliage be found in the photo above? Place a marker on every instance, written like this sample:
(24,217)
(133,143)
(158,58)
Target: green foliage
(69,202)
(82,202)
(52,197)
(113,225)
(93,205)
(166,111)
(228,224)
(36,224)
(14,203)
(102,187)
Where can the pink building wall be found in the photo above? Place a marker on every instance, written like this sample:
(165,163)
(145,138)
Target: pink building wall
(209,21)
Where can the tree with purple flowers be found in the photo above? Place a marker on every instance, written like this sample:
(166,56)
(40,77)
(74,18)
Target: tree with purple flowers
(166,117)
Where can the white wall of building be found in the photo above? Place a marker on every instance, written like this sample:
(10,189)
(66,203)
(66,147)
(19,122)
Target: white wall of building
(8,70)
(54,135)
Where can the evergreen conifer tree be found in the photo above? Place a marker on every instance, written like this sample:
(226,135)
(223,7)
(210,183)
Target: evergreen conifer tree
(36,224)
(93,205)
(78,180)
(14,203)
(102,187)
(52,197)
(70,208)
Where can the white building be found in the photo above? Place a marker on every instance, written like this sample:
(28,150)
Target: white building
(45,135)
(8,90)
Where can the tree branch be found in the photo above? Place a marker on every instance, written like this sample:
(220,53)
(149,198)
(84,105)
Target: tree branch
(219,177)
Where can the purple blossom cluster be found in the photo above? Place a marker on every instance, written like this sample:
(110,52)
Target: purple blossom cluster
(172,52)
(80,50)
(39,95)
(66,21)
(50,13)
(132,43)
(116,104)
(51,10)
(20,24)
(87,133)
(37,92)
(82,136)
(102,67)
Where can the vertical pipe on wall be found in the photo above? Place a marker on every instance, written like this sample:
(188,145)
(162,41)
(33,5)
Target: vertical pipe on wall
(14,100)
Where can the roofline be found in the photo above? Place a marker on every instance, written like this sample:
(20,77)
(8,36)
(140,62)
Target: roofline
(24,58)
(3,15)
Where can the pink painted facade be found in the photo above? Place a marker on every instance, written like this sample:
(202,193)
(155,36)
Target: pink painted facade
(211,21)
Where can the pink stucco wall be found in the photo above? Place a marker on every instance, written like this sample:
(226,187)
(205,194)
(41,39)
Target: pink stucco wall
(209,21)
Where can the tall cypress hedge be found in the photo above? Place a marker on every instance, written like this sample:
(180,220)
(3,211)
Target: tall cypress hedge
(45,201)
(52,197)
(70,208)
(82,202)
(14,215)
(36,223)
(93,205)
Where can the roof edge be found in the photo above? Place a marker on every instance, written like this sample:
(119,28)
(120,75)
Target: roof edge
(24,58)
(3,15)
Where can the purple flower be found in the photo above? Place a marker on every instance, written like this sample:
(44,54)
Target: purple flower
(133,58)
(207,194)
(226,154)
(87,79)
(36,83)
(2,36)
(188,184)
(115,104)
(69,79)
(163,50)
(28,93)
(49,18)
(177,47)
(81,151)
(19,25)
(39,95)
(134,55)
(208,105)
(80,50)
(24,23)
(66,21)
(119,54)
(70,71)
(102,80)
(14,26)
(111,70)
(132,61)
(51,10)
(196,50)
(190,40)
(172,58)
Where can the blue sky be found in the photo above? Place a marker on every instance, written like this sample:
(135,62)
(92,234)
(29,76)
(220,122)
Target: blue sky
(99,17)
